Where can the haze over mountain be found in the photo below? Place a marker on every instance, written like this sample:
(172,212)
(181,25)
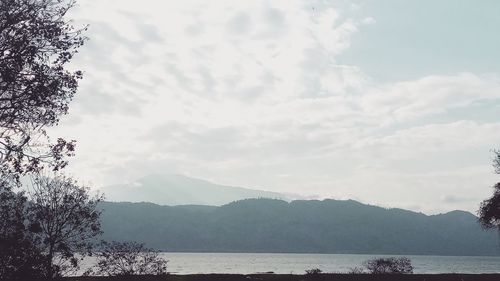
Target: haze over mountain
(267,225)
(171,189)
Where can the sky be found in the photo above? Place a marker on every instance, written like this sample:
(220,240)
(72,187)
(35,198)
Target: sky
(393,103)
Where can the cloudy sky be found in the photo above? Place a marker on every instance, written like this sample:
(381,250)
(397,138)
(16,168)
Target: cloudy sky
(394,103)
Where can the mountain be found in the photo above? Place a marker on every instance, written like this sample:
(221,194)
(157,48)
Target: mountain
(181,190)
(270,225)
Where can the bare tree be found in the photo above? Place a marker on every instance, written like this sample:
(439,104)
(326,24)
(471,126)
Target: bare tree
(69,221)
(36,43)
(128,258)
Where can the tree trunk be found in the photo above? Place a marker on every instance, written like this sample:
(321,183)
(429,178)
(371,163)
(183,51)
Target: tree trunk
(50,257)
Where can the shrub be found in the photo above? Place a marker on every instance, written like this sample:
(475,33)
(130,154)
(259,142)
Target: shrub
(313,271)
(128,258)
(389,266)
(356,270)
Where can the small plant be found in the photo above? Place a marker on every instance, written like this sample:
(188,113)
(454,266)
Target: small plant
(389,266)
(126,259)
(313,271)
(356,270)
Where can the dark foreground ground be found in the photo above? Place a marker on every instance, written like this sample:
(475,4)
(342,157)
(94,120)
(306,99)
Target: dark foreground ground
(289,277)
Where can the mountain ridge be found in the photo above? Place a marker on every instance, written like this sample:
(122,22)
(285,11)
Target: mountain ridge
(300,226)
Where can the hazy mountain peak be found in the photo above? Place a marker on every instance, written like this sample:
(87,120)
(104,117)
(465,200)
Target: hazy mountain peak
(156,177)
(175,189)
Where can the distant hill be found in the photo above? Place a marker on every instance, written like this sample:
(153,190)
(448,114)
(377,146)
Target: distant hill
(328,226)
(181,190)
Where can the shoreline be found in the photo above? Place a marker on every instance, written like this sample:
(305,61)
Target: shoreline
(300,277)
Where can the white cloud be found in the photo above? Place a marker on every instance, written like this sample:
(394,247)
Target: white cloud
(245,92)
(404,101)
(434,138)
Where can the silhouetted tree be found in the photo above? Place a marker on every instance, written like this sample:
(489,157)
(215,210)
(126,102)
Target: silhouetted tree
(489,210)
(36,43)
(20,259)
(126,259)
(68,218)
(389,266)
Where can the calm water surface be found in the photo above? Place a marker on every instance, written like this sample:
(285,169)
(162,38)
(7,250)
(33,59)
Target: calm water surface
(189,263)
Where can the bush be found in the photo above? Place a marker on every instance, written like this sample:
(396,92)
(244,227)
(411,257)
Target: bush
(389,266)
(356,270)
(313,271)
(126,259)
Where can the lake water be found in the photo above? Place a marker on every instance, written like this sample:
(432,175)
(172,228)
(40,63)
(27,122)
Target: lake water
(190,263)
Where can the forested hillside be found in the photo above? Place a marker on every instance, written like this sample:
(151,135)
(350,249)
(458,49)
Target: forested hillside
(267,225)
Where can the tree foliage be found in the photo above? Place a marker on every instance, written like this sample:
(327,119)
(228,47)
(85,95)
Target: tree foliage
(496,161)
(389,266)
(20,259)
(36,44)
(489,210)
(128,258)
(68,218)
